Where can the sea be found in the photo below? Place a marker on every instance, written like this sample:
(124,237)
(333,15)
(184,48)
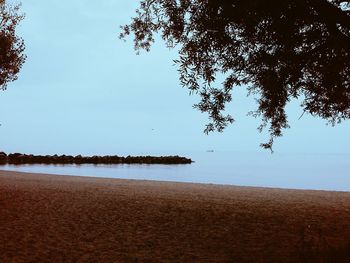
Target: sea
(278,170)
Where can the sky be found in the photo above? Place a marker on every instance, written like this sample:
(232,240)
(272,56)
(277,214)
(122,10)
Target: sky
(84,91)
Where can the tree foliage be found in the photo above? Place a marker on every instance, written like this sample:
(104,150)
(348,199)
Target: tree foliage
(279,49)
(11,46)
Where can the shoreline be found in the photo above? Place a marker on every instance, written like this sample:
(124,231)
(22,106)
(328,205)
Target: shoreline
(173,182)
(75,218)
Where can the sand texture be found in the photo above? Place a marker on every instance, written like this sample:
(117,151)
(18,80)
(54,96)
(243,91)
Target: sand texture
(50,218)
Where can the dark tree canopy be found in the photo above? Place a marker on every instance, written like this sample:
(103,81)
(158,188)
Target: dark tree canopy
(279,49)
(11,46)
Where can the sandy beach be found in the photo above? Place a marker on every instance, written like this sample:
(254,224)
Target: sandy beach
(53,218)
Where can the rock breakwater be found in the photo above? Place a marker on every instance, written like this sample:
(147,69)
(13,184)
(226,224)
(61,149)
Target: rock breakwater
(19,158)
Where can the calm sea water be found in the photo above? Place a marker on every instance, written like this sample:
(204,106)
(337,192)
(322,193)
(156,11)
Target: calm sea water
(297,171)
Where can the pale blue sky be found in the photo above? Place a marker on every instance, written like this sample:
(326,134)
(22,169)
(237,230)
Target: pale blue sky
(82,90)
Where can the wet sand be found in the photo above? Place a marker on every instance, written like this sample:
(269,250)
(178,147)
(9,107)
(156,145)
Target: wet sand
(52,218)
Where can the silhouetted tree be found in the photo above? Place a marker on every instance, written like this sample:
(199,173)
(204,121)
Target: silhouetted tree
(280,49)
(11,46)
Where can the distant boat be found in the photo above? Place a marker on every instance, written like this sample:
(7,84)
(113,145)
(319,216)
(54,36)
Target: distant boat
(210,151)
